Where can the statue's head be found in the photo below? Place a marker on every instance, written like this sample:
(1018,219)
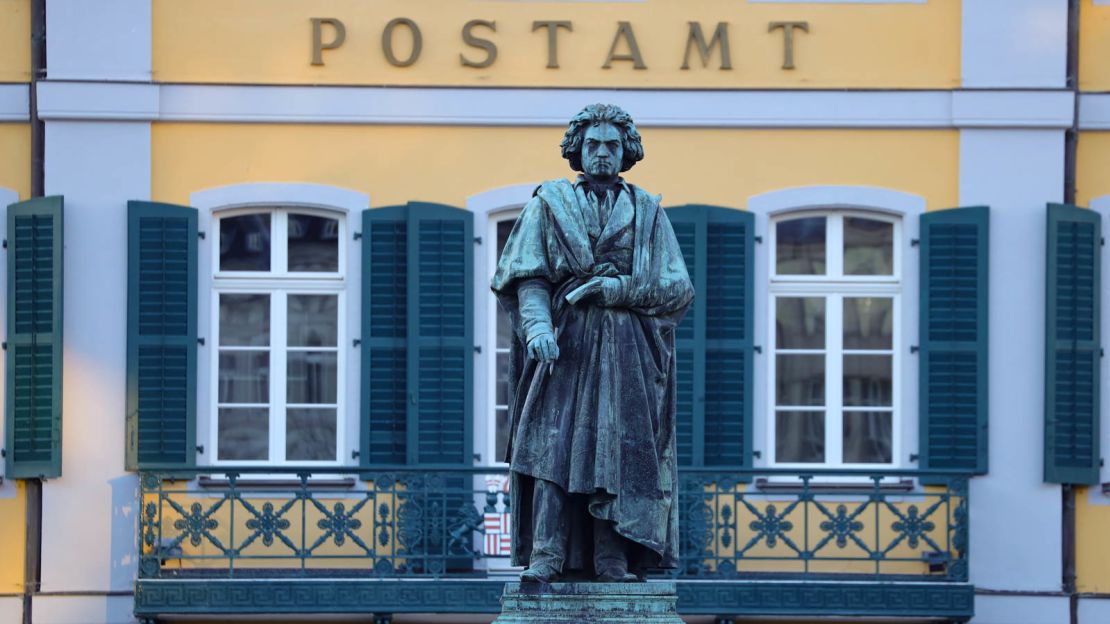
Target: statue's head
(602,141)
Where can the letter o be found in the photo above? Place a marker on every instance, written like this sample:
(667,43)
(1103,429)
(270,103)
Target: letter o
(387,42)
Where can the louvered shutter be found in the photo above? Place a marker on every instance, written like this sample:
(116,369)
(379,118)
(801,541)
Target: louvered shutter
(441,334)
(418,337)
(161,335)
(1072,316)
(33,436)
(953,349)
(714,342)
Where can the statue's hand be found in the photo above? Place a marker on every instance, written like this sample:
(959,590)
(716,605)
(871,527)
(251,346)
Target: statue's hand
(543,348)
(606,289)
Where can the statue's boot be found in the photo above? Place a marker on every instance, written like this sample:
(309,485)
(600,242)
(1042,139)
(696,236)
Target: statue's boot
(611,554)
(551,529)
(540,572)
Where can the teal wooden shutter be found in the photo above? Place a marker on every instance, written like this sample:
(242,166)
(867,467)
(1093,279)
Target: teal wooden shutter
(33,432)
(953,339)
(418,335)
(1072,351)
(714,342)
(384,331)
(161,335)
(441,334)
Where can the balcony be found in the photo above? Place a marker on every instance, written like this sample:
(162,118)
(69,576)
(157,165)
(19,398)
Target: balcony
(752,542)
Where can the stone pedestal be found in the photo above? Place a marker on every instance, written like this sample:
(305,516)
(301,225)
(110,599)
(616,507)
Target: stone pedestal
(586,603)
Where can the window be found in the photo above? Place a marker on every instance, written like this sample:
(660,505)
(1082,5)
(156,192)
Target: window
(834,382)
(278,318)
(501,225)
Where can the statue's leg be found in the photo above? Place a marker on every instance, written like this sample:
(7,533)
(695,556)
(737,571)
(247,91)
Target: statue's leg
(610,554)
(550,531)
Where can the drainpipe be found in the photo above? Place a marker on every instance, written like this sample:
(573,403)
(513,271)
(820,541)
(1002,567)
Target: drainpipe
(1071,142)
(32,569)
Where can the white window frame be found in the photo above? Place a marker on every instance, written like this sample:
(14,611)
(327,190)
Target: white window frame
(905,207)
(834,288)
(1101,205)
(344,204)
(489,209)
(7,197)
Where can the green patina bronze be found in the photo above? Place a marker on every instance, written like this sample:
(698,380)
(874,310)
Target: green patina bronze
(594,282)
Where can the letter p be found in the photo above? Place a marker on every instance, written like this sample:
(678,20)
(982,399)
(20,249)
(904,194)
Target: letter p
(318,44)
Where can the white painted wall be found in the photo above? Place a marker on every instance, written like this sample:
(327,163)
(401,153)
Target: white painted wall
(89,514)
(100,40)
(1014,43)
(1016,518)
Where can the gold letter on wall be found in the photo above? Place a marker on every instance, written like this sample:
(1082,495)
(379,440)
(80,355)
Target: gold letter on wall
(705,50)
(387,42)
(788,39)
(552,39)
(318,45)
(477,42)
(624,29)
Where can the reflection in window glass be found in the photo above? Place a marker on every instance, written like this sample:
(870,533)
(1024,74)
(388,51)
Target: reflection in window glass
(313,320)
(799,379)
(867,437)
(310,435)
(313,243)
(244,434)
(312,377)
(800,322)
(244,377)
(504,343)
(867,380)
(800,437)
(868,323)
(245,243)
(868,247)
(244,320)
(800,246)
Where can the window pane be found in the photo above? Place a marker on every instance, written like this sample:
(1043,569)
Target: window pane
(867,437)
(800,246)
(502,382)
(313,320)
(799,379)
(504,328)
(244,377)
(312,377)
(310,435)
(868,247)
(244,434)
(867,380)
(868,322)
(800,322)
(502,439)
(504,228)
(313,243)
(800,437)
(244,320)
(245,243)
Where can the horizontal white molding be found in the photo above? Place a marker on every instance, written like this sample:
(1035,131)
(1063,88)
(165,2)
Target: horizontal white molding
(14,102)
(838,1)
(1094,111)
(62,100)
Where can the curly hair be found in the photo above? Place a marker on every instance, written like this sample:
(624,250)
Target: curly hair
(596,114)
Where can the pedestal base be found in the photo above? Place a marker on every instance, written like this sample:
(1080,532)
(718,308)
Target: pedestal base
(578,603)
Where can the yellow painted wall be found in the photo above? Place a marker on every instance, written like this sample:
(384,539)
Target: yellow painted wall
(270,41)
(15,157)
(13,540)
(395,164)
(15,40)
(1092,163)
(1094,46)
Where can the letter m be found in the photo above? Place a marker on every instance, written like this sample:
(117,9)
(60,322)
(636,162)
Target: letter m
(705,50)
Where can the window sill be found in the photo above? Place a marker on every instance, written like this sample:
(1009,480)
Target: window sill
(833,487)
(278,483)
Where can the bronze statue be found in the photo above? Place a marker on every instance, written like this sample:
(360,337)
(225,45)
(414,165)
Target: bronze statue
(594,283)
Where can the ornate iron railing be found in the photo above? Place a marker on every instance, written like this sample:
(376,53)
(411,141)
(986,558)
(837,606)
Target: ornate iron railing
(454,523)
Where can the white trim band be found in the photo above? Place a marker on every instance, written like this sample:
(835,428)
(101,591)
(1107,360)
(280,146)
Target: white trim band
(59,100)
(15,103)
(1094,111)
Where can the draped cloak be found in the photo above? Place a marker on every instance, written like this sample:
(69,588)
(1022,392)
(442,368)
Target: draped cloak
(600,420)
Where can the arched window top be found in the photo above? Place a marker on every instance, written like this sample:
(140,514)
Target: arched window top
(834,244)
(262,194)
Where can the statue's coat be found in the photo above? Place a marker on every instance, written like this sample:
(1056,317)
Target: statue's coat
(600,420)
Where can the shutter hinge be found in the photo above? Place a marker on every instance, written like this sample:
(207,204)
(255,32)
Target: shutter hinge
(1101,462)
(757,348)
(4,345)
(200,449)
(1102,241)
(1101,352)
(914,348)
(914,242)
(200,234)
(200,341)
(477,240)
(757,454)
(5,243)
(356,342)
(358,235)
(477,348)
(477,457)
(758,239)
(914,457)
(354,454)
(3,452)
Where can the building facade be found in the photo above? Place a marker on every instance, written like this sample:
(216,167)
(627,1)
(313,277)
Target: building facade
(253,367)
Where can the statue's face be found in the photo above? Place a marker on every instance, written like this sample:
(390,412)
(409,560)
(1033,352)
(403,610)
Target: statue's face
(602,151)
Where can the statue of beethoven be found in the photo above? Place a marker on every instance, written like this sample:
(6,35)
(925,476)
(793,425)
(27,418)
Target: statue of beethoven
(594,283)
